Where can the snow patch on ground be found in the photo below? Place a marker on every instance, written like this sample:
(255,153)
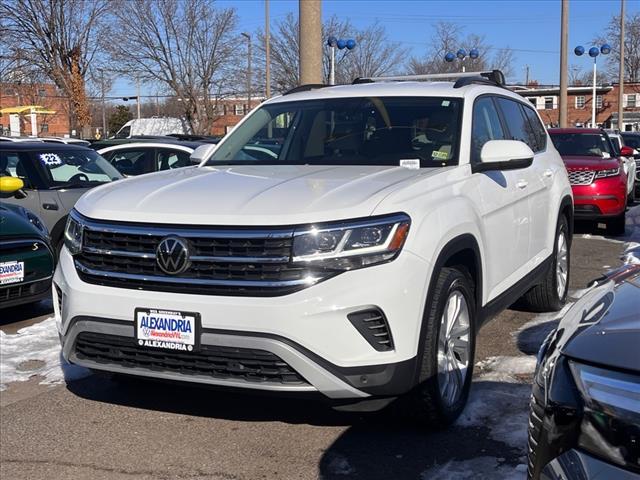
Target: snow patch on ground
(35,350)
(486,468)
(507,369)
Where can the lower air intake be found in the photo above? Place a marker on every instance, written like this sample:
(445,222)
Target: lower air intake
(373,326)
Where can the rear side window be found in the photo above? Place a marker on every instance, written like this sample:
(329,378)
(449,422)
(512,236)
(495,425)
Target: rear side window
(486,126)
(538,133)
(131,162)
(169,159)
(517,123)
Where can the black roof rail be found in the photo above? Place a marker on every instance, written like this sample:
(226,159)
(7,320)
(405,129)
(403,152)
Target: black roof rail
(494,77)
(306,88)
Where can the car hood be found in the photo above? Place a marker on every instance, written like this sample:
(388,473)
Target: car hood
(248,195)
(590,163)
(14,224)
(603,327)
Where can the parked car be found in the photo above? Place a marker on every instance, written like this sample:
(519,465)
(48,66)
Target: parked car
(67,140)
(625,153)
(359,261)
(584,420)
(54,176)
(632,139)
(597,176)
(20,139)
(152,126)
(145,157)
(26,258)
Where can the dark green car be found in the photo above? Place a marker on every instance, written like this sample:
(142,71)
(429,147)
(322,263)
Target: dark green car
(26,258)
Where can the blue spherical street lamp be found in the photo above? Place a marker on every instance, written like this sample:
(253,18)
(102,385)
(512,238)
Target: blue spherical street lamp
(461,54)
(604,49)
(340,44)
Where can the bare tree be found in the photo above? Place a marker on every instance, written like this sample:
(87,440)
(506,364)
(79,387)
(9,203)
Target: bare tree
(373,55)
(448,37)
(186,46)
(631,47)
(57,38)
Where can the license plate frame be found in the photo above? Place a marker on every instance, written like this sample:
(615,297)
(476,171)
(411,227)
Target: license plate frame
(164,317)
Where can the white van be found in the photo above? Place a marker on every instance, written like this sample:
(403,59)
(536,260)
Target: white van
(152,126)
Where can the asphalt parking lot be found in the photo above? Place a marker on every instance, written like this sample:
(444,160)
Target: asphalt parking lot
(95,427)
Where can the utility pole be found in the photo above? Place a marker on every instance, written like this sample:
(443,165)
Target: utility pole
(526,77)
(310,40)
(104,115)
(267,49)
(621,73)
(248,37)
(564,40)
(138,95)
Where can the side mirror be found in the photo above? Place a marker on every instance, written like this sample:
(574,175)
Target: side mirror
(626,151)
(11,186)
(504,155)
(203,152)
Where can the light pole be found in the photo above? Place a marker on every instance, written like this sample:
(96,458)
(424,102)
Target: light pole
(248,37)
(333,42)
(605,49)
(461,55)
(104,116)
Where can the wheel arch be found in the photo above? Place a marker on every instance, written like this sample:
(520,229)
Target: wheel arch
(566,209)
(462,250)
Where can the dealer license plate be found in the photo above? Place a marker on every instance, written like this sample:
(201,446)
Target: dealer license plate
(167,329)
(11,272)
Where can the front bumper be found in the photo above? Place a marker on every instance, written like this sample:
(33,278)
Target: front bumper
(308,329)
(606,197)
(576,465)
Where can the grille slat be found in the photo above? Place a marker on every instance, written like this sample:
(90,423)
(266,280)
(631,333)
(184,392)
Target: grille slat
(245,262)
(14,291)
(245,364)
(581,177)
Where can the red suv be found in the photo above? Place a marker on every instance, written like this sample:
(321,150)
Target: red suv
(597,176)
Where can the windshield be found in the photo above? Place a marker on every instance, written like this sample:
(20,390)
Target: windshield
(582,144)
(347,131)
(75,168)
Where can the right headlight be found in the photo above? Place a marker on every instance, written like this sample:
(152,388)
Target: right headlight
(611,419)
(612,172)
(73,234)
(351,244)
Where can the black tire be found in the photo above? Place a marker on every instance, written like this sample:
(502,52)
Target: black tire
(424,404)
(544,297)
(617,225)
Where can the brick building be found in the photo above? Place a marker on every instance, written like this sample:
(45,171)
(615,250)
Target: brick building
(579,105)
(44,95)
(231,111)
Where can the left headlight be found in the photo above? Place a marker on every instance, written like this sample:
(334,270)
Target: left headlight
(611,419)
(352,244)
(612,172)
(73,235)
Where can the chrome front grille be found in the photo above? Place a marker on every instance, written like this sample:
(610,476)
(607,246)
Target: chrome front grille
(223,261)
(581,177)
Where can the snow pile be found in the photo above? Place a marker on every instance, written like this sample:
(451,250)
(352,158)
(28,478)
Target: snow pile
(35,350)
(507,369)
(486,468)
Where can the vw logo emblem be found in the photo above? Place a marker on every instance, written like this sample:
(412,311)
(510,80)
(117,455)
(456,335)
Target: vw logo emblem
(172,255)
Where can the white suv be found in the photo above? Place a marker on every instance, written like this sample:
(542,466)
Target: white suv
(347,240)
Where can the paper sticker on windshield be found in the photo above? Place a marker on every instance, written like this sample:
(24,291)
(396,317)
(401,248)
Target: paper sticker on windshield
(445,103)
(439,155)
(50,159)
(411,163)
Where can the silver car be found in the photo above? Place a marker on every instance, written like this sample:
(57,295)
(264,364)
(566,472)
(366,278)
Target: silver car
(55,175)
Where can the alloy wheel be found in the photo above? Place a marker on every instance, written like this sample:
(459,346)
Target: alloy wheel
(453,348)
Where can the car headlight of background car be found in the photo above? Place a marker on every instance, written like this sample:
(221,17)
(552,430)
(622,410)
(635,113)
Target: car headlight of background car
(610,427)
(73,234)
(612,172)
(352,244)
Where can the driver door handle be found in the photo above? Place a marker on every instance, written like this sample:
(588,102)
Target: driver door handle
(522,184)
(50,206)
